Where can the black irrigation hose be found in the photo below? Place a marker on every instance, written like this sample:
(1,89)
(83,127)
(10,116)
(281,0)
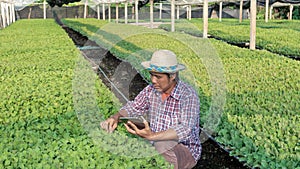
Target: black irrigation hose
(202,130)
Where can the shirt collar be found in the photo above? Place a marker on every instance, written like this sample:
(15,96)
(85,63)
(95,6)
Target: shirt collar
(175,92)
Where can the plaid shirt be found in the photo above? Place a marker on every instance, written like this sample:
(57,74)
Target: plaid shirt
(180,111)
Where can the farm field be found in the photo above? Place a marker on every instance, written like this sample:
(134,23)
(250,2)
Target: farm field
(277,36)
(52,101)
(259,119)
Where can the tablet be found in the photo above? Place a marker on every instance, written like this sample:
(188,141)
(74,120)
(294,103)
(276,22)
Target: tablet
(138,119)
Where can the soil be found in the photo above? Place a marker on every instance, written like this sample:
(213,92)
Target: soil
(213,155)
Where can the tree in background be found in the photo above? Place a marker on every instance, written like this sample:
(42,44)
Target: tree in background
(296,12)
(279,12)
(283,12)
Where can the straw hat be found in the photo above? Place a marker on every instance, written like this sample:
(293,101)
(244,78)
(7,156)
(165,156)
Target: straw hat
(163,61)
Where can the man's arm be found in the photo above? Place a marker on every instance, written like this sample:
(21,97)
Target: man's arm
(139,105)
(189,119)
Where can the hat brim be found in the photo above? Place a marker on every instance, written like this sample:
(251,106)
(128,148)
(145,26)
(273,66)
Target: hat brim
(147,66)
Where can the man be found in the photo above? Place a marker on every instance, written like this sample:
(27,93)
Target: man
(172,108)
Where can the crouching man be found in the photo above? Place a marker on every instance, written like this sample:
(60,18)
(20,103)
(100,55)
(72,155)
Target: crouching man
(173,111)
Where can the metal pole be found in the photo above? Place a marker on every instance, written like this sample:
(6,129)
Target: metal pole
(187,12)
(172,15)
(177,11)
(7,13)
(98,12)
(14,14)
(117,12)
(160,11)
(109,12)
(2,5)
(220,11)
(291,12)
(205,18)
(136,11)
(103,11)
(267,10)
(151,13)
(126,12)
(44,5)
(190,12)
(85,9)
(241,11)
(252,24)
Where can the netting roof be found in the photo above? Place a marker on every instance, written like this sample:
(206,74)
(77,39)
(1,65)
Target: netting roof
(261,2)
(7,1)
(167,1)
(178,2)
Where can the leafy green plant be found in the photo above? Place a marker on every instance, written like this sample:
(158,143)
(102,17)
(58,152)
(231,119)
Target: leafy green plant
(275,36)
(39,125)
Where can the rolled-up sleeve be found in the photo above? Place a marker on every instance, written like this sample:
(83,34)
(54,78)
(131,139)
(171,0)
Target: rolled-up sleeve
(140,104)
(188,117)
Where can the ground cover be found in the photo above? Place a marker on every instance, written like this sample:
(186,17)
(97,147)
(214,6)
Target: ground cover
(275,36)
(40,126)
(259,121)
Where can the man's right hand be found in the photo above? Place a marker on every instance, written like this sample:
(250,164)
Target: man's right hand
(109,124)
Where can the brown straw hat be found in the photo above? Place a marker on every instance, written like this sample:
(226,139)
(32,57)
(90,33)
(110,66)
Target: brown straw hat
(163,61)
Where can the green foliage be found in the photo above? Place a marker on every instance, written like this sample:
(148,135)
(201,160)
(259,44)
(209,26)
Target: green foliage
(283,12)
(296,12)
(259,122)
(39,123)
(38,1)
(275,36)
(260,14)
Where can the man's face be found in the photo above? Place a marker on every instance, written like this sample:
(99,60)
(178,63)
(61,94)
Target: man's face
(162,82)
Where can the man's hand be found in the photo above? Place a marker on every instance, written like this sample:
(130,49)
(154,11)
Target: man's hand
(109,124)
(144,133)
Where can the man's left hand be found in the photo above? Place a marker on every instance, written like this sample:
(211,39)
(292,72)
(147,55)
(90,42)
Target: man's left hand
(144,133)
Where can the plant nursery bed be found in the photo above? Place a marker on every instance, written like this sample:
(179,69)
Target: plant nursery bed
(105,64)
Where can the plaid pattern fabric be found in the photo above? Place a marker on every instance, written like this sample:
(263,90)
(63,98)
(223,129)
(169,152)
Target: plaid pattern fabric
(180,111)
